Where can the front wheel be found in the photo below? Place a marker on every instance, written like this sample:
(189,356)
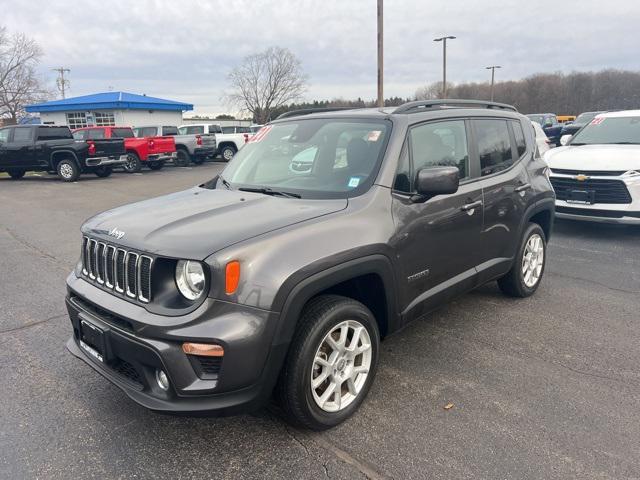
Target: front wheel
(133,165)
(17,174)
(103,172)
(68,170)
(331,363)
(528,267)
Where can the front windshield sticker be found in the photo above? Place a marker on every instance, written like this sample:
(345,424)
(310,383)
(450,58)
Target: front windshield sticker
(260,135)
(374,135)
(597,120)
(354,182)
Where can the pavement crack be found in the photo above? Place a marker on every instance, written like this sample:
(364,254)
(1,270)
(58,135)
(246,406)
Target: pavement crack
(588,280)
(38,250)
(31,324)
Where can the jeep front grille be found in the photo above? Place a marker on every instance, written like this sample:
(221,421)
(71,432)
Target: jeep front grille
(124,272)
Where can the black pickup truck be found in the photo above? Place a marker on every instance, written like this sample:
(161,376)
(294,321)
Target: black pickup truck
(52,149)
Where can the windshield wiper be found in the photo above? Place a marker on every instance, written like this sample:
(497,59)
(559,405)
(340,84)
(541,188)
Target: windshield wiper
(577,144)
(621,143)
(269,191)
(225,183)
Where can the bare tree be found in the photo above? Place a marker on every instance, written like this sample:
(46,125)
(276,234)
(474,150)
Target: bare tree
(266,81)
(432,91)
(19,84)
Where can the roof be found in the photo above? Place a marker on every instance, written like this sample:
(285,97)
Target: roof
(621,113)
(109,101)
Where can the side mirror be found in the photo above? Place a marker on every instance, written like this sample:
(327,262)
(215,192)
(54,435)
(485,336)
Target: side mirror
(565,139)
(437,181)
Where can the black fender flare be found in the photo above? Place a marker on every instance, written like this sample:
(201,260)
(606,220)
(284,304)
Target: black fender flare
(295,292)
(546,204)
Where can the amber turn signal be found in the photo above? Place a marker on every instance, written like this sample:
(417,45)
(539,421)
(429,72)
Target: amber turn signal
(232,277)
(203,349)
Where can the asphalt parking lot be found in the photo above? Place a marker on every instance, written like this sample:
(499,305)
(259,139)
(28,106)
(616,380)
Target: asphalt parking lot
(546,387)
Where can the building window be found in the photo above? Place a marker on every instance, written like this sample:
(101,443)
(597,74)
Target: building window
(104,119)
(77,120)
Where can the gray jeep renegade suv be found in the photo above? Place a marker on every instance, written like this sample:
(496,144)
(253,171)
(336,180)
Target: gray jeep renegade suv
(327,232)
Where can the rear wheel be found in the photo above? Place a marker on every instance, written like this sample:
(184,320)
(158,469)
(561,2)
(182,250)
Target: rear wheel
(17,174)
(156,165)
(198,160)
(528,267)
(331,364)
(133,164)
(103,172)
(182,158)
(68,170)
(227,152)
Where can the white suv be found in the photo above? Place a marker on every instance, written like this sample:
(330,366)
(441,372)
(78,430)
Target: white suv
(596,174)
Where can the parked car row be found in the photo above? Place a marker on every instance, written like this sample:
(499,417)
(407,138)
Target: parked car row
(98,150)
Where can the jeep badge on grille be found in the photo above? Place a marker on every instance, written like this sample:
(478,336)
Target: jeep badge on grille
(114,232)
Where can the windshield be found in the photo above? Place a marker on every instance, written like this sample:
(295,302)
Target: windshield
(585,117)
(607,130)
(539,119)
(312,158)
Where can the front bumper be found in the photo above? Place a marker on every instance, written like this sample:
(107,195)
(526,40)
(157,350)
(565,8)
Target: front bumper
(162,157)
(103,161)
(135,343)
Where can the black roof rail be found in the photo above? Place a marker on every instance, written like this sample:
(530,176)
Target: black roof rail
(308,111)
(422,105)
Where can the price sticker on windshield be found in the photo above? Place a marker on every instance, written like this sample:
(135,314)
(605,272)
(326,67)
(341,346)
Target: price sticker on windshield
(373,135)
(262,133)
(597,120)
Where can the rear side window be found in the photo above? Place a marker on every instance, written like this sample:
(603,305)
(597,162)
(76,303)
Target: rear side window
(122,133)
(215,129)
(4,135)
(440,144)
(169,131)
(494,146)
(521,143)
(192,130)
(228,129)
(243,130)
(80,135)
(95,134)
(54,133)
(21,134)
(146,132)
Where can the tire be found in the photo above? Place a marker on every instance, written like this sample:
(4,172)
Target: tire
(133,165)
(198,160)
(155,165)
(299,400)
(182,158)
(523,280)
(103,172)
(68,170)
(16,174)
(227,152)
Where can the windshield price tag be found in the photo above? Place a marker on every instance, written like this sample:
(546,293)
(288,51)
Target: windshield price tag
(258,137)
(373,135)
(597,120)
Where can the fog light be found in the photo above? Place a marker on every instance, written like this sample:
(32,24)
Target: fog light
(162,379)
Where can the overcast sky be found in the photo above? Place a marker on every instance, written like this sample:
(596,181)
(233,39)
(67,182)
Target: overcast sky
(183,50)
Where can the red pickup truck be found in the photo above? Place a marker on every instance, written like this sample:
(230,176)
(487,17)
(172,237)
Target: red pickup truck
(150,151)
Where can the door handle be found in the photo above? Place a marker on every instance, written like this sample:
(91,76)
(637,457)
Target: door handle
(471,206)
(523,187)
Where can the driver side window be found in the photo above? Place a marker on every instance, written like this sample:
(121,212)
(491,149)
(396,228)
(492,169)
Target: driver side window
(440,144)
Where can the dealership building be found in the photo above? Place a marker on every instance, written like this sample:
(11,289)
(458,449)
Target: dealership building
(109,109)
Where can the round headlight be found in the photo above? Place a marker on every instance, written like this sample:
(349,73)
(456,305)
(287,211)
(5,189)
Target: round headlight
(190,279)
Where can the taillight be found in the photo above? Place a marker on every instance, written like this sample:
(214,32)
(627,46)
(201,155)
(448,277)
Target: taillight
(151,143)
(198,140)
(92,149)
(246,137)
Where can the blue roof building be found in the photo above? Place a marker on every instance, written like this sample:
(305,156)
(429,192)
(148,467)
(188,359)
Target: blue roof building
(110,109)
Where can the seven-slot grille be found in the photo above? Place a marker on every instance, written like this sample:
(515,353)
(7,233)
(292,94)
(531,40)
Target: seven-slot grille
(125,272)
(606,191)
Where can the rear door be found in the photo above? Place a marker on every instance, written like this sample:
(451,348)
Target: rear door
(502,154)
(436,241)
(4,140)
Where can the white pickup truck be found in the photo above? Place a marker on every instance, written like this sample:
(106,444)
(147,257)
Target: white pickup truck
(189,147)
(228,139)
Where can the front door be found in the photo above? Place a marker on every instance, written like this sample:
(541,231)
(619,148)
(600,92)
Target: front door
(19,149)
(436,241)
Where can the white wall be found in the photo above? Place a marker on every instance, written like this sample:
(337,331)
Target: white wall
(128,118)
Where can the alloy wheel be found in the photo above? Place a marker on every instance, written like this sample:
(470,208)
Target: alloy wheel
(341,366)
(533,260)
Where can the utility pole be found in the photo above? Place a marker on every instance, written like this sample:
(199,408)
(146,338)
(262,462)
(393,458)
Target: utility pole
(61,81)
(444,61)
(493,77)
(380,57)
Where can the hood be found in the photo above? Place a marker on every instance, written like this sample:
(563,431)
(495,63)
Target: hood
(595,157)
(197,222)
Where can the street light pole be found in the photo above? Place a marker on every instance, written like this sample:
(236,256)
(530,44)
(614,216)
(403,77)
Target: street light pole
(493,77)
(444,61)
(380,57)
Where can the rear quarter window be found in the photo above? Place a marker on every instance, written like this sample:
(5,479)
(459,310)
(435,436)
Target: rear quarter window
(122,133)
(494,146)
(169,131)
(518,133)
(54,133)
